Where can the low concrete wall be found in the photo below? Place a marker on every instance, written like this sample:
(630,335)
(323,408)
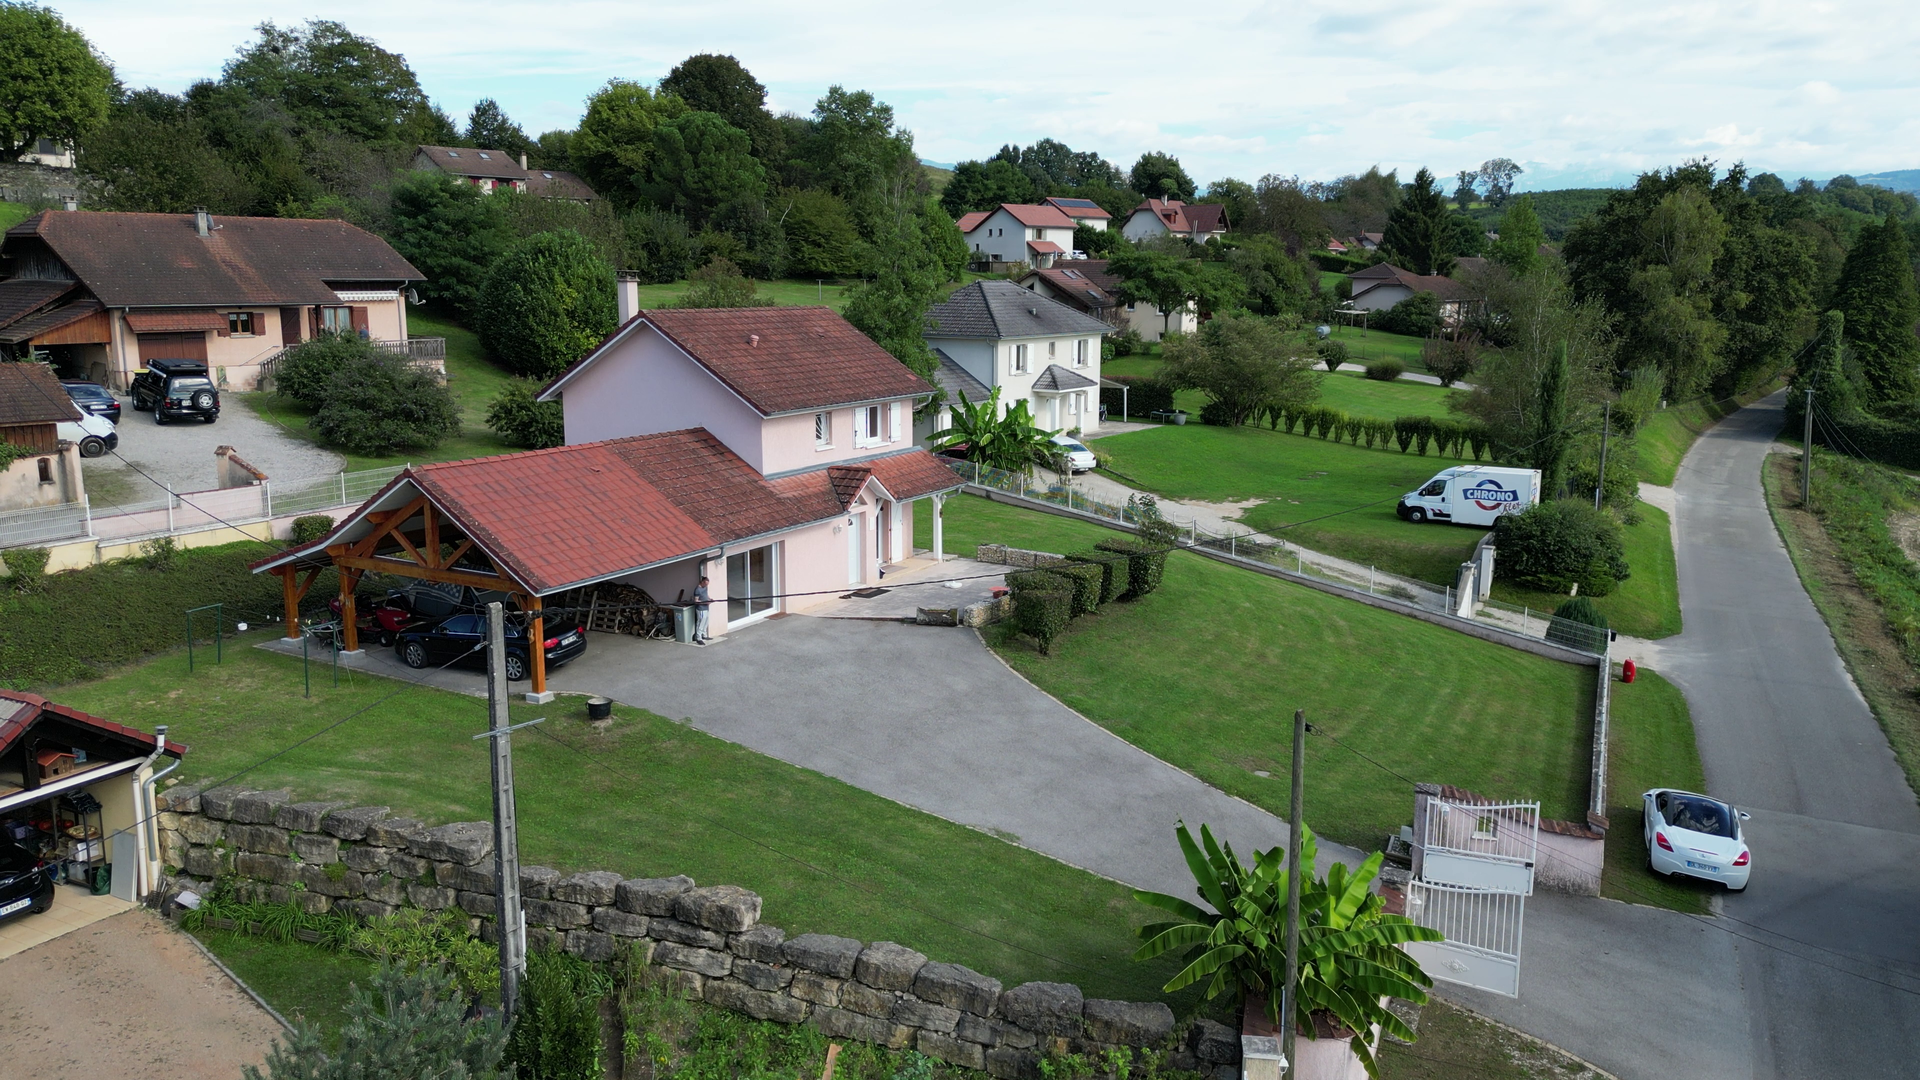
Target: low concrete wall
(709,941)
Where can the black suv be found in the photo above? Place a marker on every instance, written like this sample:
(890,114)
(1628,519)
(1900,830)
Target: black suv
(176,388)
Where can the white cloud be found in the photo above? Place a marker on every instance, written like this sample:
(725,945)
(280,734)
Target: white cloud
(1578,88)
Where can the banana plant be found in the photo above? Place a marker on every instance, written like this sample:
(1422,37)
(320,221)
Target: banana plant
(1011,442)
(1349,945)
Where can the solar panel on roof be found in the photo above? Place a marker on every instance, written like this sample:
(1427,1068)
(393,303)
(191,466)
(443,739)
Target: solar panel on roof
(1075,202)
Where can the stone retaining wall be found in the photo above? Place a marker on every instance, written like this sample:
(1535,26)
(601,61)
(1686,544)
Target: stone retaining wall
(709,940)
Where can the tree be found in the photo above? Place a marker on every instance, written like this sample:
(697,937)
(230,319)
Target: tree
(1248,364)
(719,284)
(987,435)
(1877,296)
(52,84)
(1159,176)
(489,127)
(1283,209)
(698,163)
(545,302)
(1681,239)
(1274,281)
(1527,320)
(329,79)
(1166,281)
(378,403)
(154,157)
(1825,373)
(1416,233)
(1463,188)
(977,185)
(1562,543)
(853,147)
(451,231)
(521,420)
(710,82)
(614,142)
(1238,197)
(1497,176)
(660,246)
(907,273)
(1518,248)
(1450,359)
(1054,168)
(822,241)
(1550,435)
(406,1023)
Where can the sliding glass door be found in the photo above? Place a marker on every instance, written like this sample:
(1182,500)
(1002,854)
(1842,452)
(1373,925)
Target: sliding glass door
(750,586)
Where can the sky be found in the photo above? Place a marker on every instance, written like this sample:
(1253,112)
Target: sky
(1580,93)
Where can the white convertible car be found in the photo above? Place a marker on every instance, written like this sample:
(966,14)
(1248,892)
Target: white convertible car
(1697,836)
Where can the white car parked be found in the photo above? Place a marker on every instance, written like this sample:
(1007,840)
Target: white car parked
(1079,458)
(94,435)
(1697,836)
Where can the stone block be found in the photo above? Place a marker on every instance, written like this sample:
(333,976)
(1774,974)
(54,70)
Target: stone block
(861,998)
(463,842)
(651,896)
(367,909)
(762,943)
(591,945)
(1225,1072)
(201,829)
(976,1029)
(641,949)
(279,894)
(815,987)
(304,816)
(1129,1023)
(217,803)
(272,869)
(823,953)
(759,1004)
(1048,1008)
(384,888)
(408,867)
(258,807)
(621,923)
(1017,1037)
(392,832)
(762,976)
(841,1024)
(953,1051)
(482,878)
(315,849)
(181,798)
(366,858)
(204,862)
(352,823)
(1213,1043)
(957,987)
(318,881)
(1183,1060)
(726,908)
(554,913)
(312,903)
(594,887)
(431,897)
(541,939)
(485,905)
(925,1015)
(887,966)
(685,983)
(536,882)
(173,849)
(707,962)
(1008,1063)
(264,839)
(685,934)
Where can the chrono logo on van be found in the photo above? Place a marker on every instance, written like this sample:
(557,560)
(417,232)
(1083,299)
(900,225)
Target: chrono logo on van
(1489,495)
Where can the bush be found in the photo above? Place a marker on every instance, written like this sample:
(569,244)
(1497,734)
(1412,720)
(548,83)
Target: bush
(1386,370)
(1042,613)
(1557,545)
(1217,413)
(407,1023)
(1450,360)
(1577,610)
(1331,353)
(1146,563)
(545,303)
(310,527)
(1143,395)
(519,420)
(1127,342)
(1416,316)
(24,566)
(379,404)
(1113,572)
(308,369)
(1087,582)
(556,1033)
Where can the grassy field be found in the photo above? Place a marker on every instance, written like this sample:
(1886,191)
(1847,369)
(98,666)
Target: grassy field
(1206,672)
(1364,345)
(11,214)
(1649,744)
(1646,605)
(1667,436)
(1358,395)
(1455,1044)
(785,291)
(827,857)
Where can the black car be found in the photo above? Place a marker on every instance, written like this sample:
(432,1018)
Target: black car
(462,640)
(26,885)
(176,389)
(93,398)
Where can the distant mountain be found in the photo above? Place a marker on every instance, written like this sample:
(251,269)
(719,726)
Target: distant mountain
(1897,180)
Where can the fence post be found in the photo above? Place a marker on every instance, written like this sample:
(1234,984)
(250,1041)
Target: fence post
(1233,547)
(266,491)
(86,505)
(170,518)
(1369,581)
(343,487)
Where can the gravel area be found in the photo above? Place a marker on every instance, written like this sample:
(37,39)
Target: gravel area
(181,454)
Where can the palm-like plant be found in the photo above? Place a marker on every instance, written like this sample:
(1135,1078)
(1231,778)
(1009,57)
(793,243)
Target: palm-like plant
(1349,946)
(1010,442)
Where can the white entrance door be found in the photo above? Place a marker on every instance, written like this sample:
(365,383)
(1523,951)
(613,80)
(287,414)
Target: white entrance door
(856,550)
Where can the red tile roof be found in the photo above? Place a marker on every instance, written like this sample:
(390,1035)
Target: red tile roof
(912,475)
(970,222)
(847,481)
(31,394)
(1038,217)
(1190,218)
(1045,247)
(19,298)
(778,359)
(467,161)
(175,321)
(20,711)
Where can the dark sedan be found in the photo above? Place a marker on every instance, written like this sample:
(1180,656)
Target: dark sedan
(93,398)
(462,640)
(26,884)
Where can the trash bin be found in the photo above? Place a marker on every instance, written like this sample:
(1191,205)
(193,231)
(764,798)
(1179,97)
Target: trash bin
(102,881)
(683,624)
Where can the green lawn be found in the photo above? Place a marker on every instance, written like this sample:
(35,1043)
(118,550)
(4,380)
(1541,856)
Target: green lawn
(1646,605)
(1357,395)
(1365,345)
(1667,436)
(1650,744)
(301,981)
(786,291)
(11,214)
(681,802)
(1206,672)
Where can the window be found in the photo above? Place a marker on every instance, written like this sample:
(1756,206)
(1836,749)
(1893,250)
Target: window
(453,153)
(484,156)
(240,323)
(1019,359)
(338,320)
(867,428)
(46,470)
(1039,234)
(1052,347)
(1080,353)
(749,584)
(822,431)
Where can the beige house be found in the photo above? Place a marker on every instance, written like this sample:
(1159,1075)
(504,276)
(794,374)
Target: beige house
(496,170)
(32,406)
(99,294)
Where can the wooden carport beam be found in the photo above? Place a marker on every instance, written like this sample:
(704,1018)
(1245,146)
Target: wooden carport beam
(404,568)
(292,591)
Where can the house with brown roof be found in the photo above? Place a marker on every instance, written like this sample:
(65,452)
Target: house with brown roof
(1378,288)
(41,469)
(1160,217)
(100,294)
(1081,211)
(1038,235)
(995,334)
(768,449)
(1088,286)
(494,170)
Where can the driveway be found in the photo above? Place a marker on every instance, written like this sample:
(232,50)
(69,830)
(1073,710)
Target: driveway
(180,454)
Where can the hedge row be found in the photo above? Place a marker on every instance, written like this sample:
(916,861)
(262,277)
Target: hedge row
(1455,437)
(1046,599)
(1889,442)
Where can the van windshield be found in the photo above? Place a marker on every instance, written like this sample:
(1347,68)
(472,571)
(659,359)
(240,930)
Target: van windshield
(1438,487)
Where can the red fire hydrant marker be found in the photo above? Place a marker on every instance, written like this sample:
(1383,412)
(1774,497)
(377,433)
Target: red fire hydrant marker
(1626,671)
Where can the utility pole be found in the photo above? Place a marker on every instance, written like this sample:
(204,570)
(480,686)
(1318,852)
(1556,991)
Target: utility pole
(1806,455)
(1606,429)
(506,833)
(1294,871)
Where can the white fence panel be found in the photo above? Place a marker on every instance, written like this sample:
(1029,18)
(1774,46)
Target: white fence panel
(1481,845)
(43,524)
(1482,928)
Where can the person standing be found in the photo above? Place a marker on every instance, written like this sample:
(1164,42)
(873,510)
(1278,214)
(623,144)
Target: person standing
(701,599)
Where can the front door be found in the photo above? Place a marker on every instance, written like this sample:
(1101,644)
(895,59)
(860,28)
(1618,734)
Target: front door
(289,326)
(856,550)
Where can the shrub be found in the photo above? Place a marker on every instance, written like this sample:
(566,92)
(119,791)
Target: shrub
(557,1030)
(379,404)
(1042,613)
(407,1023)
(1577,610)
(519,420)
(1087,582)
(1127,342)
(308,369)
(1332,353)
(1557,545)
(1113,572)
(1143,395)
(1386,370)
(1416,316)
(1450,360)
(1217,413)
(24,566)
(1146,563)
(310,527)
(545,303)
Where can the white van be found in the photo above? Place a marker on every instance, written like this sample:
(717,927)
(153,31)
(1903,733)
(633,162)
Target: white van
(1471,495)
(93,434)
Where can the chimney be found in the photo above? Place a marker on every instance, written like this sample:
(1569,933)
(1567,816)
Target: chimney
(626,287)
(523,161)
(72,203)
(202,221)
(753,341)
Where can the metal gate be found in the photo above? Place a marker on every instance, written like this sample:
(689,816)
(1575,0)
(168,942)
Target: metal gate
(1481,845)
(1482,926)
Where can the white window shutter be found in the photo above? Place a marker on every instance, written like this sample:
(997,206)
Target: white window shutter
(893,422)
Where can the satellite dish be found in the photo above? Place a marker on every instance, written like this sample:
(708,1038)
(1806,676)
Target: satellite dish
(413,297)
(1324,331)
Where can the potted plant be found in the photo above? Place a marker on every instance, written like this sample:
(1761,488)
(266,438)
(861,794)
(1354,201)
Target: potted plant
(1350,960)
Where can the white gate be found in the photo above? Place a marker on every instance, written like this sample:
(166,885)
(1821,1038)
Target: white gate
(1482,926)
(1481,845)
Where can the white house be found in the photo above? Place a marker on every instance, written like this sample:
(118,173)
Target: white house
(1017,232)
(1378,288)
(1087,285)
(1158,217)
(997,334)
